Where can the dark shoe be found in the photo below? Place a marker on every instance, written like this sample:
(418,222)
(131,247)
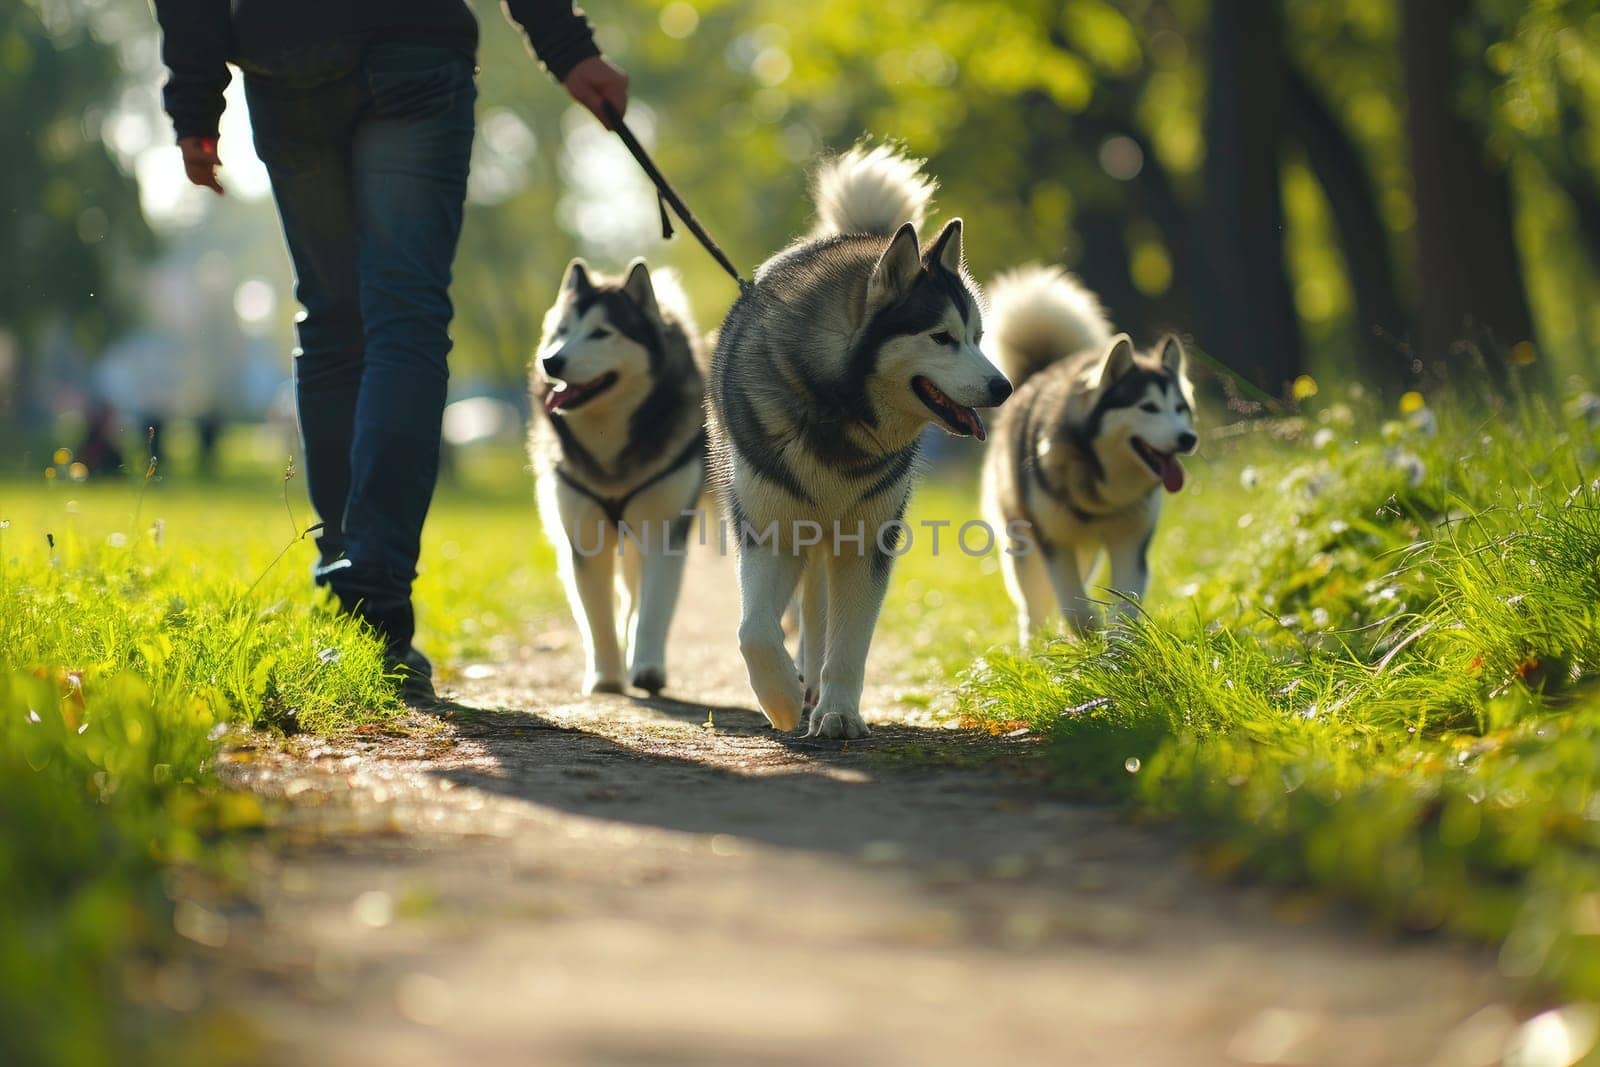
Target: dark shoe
(394,625)
(330,561)
(415,675)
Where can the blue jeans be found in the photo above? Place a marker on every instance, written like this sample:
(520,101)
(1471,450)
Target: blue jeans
(369,170)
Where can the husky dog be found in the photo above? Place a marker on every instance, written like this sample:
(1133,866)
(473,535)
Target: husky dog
(826,371)
(1084,449)
(619,448)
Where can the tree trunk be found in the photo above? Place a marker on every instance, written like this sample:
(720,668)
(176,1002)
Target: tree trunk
(1247,310)
(1104,268)
(1102,261)
(1585,203)
(1573,177)
(1153,195)
(1471,306)
(1383,326)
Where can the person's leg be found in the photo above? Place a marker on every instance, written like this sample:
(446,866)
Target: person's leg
(303,137)
(410,154)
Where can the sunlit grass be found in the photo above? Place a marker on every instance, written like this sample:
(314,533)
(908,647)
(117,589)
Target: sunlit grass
(135,624)
(487,576)
(943,607)
(138,620)
(1364,665)
(1369,667)
(206,600)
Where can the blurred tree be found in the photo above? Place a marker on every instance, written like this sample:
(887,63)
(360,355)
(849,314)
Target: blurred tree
(1468,263)
(1084,133)
(1536,80)
(1540,84)
(1382,322)
(1249,313)
(73,222)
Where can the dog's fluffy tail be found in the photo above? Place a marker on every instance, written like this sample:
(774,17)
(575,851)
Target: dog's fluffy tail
(1040,314)
(871,190)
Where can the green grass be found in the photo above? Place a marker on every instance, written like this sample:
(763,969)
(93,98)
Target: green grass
(138,621)
(944,608)
(1364,666)
(487,576)
(1367,666)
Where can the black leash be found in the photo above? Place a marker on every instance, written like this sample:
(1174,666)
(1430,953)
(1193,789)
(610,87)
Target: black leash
(666,194)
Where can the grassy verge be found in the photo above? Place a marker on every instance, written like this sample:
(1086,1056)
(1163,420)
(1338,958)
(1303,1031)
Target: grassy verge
(1370,670)
(137,622)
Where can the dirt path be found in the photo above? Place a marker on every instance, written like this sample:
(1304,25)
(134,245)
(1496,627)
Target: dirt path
(551,880)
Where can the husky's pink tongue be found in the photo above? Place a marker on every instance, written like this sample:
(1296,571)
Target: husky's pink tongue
(1172,474)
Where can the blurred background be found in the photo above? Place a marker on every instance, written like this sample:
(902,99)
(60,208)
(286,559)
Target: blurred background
(1400,194)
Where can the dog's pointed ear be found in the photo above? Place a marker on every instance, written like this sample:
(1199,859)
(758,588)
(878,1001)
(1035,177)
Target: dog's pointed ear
(1174,360)
(638,288)
(1119,361)
(946,250)
(576,280)
(897,269)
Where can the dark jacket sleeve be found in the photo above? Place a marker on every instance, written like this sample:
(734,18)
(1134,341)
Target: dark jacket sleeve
(195,37)
(558,32)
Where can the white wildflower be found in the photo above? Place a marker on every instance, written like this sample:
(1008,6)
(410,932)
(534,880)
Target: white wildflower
(1409,462)
(1586,406)
(1424,422)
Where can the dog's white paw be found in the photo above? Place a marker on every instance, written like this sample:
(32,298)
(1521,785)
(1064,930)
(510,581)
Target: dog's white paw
(843,724)
(784,716)
(775,682)
(595,684)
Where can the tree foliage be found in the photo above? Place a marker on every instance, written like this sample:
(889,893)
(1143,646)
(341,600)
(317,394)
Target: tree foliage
(1078,133)
(1090,133)
(72,218)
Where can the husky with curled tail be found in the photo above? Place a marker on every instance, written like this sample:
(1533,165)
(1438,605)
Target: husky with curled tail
(826,371)
(1084,450)
(619,449)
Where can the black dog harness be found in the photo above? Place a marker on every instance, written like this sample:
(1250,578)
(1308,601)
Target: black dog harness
(614,506)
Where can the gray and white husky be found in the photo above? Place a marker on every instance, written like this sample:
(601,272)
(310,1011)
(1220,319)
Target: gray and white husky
(825,373)
(619,449)
(1084,449)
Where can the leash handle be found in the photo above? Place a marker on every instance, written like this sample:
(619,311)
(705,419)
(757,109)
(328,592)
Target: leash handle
(669,195)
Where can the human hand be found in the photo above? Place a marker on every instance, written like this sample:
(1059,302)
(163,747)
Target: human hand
(594,83)
(200,161)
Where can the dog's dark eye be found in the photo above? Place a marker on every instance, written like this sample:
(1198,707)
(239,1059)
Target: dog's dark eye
(943,337)
(1150,406)
(599,333)
(1182,408)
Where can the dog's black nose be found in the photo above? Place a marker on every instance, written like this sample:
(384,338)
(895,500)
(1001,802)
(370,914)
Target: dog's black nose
(1187,441)
(999,389)
(553,365)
